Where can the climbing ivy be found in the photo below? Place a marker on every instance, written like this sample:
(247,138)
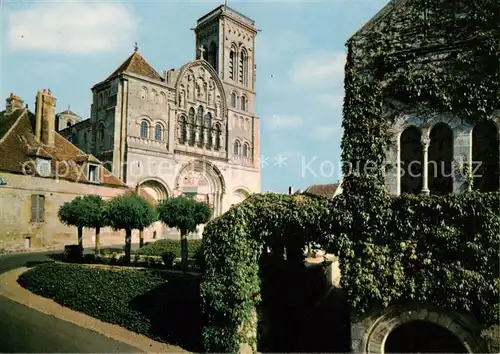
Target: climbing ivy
(426,56)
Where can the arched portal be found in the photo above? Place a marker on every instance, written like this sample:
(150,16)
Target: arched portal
(440,160)
(422,337)
(156,189)
(411,161)
(239,195)
(485,157)
(204,182)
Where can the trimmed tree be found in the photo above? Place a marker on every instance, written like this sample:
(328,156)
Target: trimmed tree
(184,214)
(128,212)
(87,211)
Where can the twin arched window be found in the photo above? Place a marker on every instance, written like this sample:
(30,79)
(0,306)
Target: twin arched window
(241,150)
(238,65)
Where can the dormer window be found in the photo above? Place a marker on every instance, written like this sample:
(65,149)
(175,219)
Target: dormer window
(93,173)
(43,168)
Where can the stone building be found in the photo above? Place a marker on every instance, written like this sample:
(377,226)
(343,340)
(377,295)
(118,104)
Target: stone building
(191,130)
(39,171)
(434,147)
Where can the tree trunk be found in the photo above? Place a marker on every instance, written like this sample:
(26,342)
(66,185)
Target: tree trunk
(128,245)
(97,241)
(80,239)
(184,251)
(141,238)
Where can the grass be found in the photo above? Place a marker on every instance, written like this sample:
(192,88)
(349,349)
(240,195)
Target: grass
(160,305)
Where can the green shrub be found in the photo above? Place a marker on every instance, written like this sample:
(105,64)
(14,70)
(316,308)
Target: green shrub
(73,253)
(152,303)
(168,259)
(161,247)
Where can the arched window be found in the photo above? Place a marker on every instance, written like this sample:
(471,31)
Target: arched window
(199,123)
(411,161)
(212,55)
(208,129)
(144,93)
(232,63)
(200,115)
(245,150)
(233,99)
(163,98)
(243,103)
(243,67)
(153,97)
(144,129)
(236,147)
(68,124)
(182,130)
(100,132)
(485,157)
(440,160)
(191,125)
(218,132)
(158,132)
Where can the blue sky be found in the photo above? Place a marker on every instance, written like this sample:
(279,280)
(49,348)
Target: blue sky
(68,46)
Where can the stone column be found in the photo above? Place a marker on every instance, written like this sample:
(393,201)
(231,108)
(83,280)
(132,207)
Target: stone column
(425,168)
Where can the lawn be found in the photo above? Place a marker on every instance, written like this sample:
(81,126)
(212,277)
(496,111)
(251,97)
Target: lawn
(160,305)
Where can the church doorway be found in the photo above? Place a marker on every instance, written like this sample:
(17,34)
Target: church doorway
(422,337)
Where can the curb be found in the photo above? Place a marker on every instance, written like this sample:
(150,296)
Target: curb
(15,292)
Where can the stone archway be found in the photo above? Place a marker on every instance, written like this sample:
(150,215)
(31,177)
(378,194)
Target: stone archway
(203,181)
(458,326)
(239,195)
(158,191)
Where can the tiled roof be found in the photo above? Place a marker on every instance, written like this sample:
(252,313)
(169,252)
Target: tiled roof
(136,64)
(68,112)
(322,190)
(19,147)
(8,120)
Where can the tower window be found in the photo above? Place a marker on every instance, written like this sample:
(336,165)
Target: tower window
(232,63)
(144,129)
(233,99)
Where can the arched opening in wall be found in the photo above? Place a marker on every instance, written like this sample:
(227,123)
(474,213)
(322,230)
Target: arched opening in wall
(485,157)
(144,129)
(232,62)
(422,337)
(411,161)
(191,124)
(182,130)
(236,148)
(208,130)
(158,132)
(218,132)
(233,99)
(440,160)
(212,55)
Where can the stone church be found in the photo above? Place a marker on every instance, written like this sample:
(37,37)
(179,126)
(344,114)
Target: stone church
(191,130)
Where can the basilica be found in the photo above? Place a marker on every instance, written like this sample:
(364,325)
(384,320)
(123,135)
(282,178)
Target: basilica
(187,131)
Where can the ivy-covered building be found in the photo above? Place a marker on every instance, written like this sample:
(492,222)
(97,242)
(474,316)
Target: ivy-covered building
(437,63)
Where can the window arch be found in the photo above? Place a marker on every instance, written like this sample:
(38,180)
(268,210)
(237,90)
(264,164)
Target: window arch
(236,148)
(212,55)
(144,93)
(158,132)
(411,161)
(440,160)
(199,119)
(232,62)
(68,124)
(233,99)
(144,129)
(100,132)
(208,128)
(246,149)
(218,132)
(243,67)
(243,103)
(191,124)
(485,157)
(163,98)
(182,130)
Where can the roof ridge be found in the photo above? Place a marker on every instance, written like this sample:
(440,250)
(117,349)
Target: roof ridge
(126,66)
(2,139)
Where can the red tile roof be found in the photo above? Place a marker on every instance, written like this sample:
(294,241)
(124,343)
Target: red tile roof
(136,64)
(19,148)
(322,190)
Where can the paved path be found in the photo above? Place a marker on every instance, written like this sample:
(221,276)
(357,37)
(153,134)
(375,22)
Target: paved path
(24,330)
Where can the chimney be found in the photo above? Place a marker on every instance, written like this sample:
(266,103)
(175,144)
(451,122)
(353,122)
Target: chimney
(45,113)
(290,190)
(13,102)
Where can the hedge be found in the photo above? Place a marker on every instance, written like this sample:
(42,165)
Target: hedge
(156,304)
(160,247)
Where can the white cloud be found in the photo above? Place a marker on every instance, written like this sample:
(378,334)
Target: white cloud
(325,132)
(330,100)
(72,27)
(283,122)
(319,69)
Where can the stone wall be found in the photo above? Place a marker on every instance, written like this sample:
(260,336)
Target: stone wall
(15,213)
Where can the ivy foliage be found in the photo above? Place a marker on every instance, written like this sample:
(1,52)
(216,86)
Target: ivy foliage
(426,56)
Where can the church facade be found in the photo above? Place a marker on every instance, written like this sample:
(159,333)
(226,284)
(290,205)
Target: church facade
(190,131)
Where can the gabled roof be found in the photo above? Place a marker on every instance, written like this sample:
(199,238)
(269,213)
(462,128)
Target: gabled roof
(136,64)
(68,112)
(322,190)
(8,120)
(19,147)
(379,16)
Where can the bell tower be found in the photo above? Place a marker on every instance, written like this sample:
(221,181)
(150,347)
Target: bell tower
(226,39)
